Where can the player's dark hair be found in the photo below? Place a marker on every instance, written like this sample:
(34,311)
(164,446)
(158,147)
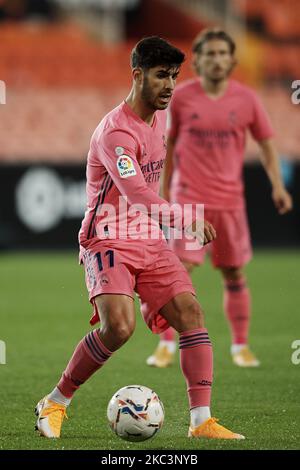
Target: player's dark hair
(153,51)
(210,34)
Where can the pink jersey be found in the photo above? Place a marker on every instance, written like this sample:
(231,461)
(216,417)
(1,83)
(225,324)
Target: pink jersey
(125,159)
(210,143)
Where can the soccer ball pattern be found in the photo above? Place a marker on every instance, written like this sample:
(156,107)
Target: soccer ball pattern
(135,413)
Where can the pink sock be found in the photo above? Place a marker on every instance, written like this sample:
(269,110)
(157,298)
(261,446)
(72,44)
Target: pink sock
(168,335)
(196,361)
(237,308)
(89,355)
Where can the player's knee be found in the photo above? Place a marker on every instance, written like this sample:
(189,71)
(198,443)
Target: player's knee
(116,329)
(192,317)
(122,335)
(195,314)
(121,331)
(232,274)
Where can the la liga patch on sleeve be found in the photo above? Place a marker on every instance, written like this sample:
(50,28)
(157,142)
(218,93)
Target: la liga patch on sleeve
(125,166)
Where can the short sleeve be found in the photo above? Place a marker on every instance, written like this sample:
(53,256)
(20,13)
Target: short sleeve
(260,126)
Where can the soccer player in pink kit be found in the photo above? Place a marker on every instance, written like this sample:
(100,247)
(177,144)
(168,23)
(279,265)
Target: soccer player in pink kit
(210,116)
(125,158)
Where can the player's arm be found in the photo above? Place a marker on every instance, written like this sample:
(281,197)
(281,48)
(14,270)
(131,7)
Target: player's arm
(132,185)
(270,160)
(173,124)
(125,171)
(205,232)
(262,132)
(168,168)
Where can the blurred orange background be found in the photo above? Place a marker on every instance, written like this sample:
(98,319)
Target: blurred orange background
(65,66)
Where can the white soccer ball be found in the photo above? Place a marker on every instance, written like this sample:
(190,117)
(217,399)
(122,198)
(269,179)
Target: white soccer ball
(135,413)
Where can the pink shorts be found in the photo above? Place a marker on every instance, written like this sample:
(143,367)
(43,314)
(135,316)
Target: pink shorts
(153,271)
(232,247)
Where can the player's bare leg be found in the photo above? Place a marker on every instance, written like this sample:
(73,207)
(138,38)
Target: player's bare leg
(164,354)
(117,317)
(184,313)
(237,309)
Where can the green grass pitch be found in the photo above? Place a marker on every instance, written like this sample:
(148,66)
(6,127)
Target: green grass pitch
(44,312)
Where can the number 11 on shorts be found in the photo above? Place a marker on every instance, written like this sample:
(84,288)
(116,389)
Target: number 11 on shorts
(111,260)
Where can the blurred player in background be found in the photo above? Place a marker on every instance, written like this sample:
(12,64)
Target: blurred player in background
(210,116)
(127,149)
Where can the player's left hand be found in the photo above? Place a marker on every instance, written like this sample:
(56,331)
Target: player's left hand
(282,200)
(210,233)
(203,231)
